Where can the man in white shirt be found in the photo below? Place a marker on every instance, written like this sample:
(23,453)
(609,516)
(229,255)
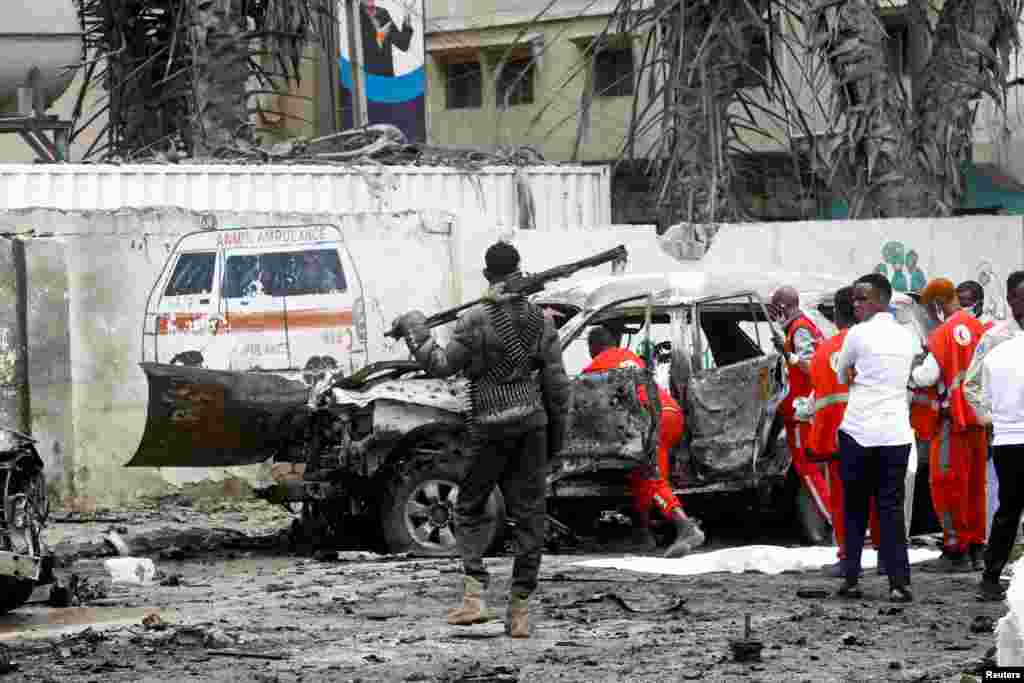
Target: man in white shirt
(875,435)
(1002,406)
(996,333)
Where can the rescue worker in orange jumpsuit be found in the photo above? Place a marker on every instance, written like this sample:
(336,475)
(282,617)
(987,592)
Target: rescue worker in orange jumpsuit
(650,488)
(802,338)
(825,407)
(959,451)
(972,298)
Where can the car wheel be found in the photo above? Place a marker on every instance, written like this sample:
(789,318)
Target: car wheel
(14,592)
(815,529)
(418,512)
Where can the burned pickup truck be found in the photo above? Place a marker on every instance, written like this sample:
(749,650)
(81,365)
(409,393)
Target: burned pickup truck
(389,444)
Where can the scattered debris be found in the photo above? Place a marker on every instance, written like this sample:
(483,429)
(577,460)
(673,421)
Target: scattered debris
(479,673)
(326,556)
(6,665)
(114,539)
(747,649)
(618,600)
(153,622)
(850,639)
(983,624)
(172,554)
(171,580)
(78,591)
(242,654)
(137,570)
(812,593)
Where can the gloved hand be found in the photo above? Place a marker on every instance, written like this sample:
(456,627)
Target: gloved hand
(413,328)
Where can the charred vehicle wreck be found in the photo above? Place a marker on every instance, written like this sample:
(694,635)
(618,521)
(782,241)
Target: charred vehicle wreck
(388,443)
(24,560)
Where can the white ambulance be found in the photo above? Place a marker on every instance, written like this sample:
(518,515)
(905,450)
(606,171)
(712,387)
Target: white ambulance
(286,300)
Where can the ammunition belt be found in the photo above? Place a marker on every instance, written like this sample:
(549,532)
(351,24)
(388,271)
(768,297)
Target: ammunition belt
(493,400)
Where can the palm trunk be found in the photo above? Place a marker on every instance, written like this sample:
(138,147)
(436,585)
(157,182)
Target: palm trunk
(706,45)
(870,107)
(221,72)
(964,65)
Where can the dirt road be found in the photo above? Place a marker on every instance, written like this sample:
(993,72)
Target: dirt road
(268,616)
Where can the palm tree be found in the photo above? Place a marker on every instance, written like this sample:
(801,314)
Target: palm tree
(182,74)
(826,89)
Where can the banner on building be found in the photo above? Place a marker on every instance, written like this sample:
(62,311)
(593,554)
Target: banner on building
(391,50)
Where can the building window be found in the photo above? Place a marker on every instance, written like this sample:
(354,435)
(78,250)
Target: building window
(464,85)
(613,73)
(515,83)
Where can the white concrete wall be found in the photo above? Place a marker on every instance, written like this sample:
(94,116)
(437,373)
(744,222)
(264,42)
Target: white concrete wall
(983,248)
(108,262)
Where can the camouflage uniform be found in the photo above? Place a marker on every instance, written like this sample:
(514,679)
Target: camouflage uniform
(515,422)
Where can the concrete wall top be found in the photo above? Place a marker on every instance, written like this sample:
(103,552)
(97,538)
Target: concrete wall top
(563,196)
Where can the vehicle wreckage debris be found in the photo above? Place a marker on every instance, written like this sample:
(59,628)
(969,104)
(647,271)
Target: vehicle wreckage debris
(78,591)
(619,601)
(746,649)
(6,665)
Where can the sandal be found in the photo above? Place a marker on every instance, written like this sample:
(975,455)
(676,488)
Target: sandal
(900,594)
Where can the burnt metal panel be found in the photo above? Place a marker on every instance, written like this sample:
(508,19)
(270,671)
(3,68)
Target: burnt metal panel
(607,426)
(213,418)
(729,411)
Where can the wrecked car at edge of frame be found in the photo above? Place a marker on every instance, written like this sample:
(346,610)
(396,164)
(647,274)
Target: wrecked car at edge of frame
(24,560)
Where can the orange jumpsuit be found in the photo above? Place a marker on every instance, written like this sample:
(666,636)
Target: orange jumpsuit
(830,397)
(649,491)
(959,453)
(797,432)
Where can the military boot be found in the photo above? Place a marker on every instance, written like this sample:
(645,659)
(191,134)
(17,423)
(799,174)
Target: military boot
(517,622)
(473,610)
(688,535)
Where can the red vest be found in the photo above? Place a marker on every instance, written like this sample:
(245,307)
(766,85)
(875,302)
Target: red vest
(830,396)
(616,357)
(799,381)
(924,413)
(953,345)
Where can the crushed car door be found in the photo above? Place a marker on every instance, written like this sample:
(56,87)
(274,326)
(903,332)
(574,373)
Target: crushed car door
(730,407)
(608,428)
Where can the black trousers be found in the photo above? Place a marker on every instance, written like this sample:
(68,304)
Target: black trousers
(1009,462)
(519,465)
(880,472)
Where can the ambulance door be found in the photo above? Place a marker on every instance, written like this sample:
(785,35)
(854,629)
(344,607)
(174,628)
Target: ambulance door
(321,303)
(184,309)
(254,310)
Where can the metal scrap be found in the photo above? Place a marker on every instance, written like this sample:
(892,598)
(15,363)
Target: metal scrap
(619,601)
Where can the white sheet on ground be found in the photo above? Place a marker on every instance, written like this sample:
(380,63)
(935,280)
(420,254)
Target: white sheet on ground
(767,559)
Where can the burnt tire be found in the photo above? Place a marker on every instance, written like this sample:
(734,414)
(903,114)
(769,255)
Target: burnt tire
(14,592)
(417,513)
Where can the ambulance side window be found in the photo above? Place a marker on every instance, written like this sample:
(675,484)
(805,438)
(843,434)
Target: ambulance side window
(316,271)
(193,274)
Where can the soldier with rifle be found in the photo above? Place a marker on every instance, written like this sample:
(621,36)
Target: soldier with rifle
(519,403)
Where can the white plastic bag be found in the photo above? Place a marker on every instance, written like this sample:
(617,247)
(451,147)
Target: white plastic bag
(137,570)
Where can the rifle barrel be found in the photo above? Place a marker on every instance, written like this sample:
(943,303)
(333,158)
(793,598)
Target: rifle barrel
(531,283)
